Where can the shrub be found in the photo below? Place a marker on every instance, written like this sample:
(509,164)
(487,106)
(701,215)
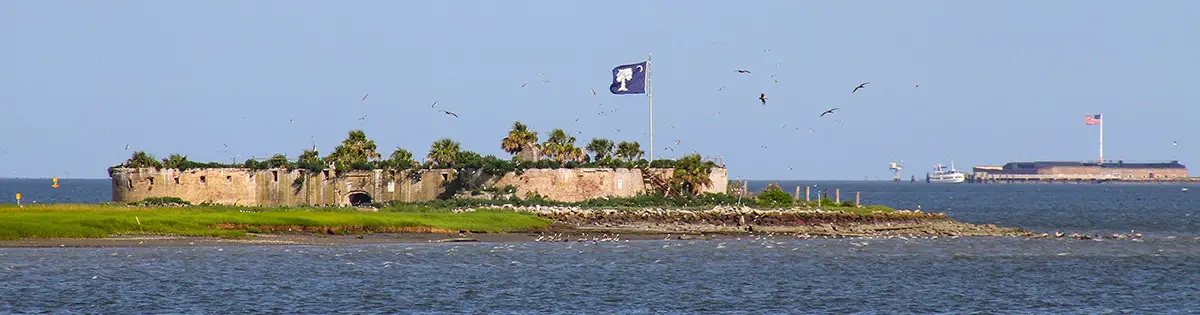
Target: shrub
(162,202)
(774,197)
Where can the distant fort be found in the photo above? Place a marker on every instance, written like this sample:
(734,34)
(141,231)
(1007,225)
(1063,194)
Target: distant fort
(290,187)
(1050,171)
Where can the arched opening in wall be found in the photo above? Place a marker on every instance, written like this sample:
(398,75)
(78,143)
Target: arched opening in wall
(359,199)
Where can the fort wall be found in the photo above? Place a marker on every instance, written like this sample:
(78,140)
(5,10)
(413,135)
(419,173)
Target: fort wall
(284,187)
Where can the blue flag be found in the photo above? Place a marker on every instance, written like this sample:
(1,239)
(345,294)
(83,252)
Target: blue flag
(629,79)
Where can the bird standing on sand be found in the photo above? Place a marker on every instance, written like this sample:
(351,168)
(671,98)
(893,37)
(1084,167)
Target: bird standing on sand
(860,86)
(742,71)
(763,97)
(829,111)
(448,113)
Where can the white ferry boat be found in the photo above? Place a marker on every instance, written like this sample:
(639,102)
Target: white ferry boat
(942,175)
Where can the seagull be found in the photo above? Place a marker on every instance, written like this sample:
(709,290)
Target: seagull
(789,168)
(767,50)
(364,117)
(617,130)
(811,130)
(677,141)
(126,147)
(576,118)
(364,99)
(672,126)
(291,121)
(669,149)
(742,71)
(593,91)
(3,152)
(1175,143)
(763,97)
(433,105)
(860,86)
(721,89)
(764,146)
(915,86)
(545,81)
(828,111)
(449,113)
(524,84)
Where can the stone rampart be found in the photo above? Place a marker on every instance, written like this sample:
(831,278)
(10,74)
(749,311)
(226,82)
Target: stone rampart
(284,187)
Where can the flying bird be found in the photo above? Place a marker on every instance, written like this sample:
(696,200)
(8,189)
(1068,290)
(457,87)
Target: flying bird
(433,105)
(669,149)
(126,147)
(917,86)
(291,121)
(524,84)
(860,86)
(1175,143)
(742,71)
(576,118)
(763,97)
(828,111)
(364,117)
(593,91)
(721,89)
(364,99)
(449,113)
(677,141)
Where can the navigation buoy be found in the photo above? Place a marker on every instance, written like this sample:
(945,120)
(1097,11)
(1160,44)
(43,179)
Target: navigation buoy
(55,183)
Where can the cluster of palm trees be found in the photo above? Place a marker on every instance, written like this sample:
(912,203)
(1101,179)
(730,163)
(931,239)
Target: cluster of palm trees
(522,142)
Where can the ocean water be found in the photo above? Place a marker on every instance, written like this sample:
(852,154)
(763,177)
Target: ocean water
(1157,275)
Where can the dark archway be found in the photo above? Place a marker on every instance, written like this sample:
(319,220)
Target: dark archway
(359,199)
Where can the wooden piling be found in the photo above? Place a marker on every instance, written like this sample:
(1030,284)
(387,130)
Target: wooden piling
(857,194)
(806,195)
(796,197)
(837,195)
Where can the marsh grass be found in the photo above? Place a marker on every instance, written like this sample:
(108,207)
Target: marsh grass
(94,221)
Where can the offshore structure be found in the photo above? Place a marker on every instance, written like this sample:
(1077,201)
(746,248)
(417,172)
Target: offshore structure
(1061,171)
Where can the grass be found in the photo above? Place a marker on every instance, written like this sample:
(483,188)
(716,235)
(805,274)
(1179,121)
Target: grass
(94,221)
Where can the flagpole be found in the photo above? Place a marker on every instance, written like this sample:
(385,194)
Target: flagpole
(650,95)
(1101,139)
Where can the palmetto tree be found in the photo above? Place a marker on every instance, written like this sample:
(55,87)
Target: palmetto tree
(175,161)
(277,161)
(519,140)
(356,149)
(601,149)
(443,152)
(691,173)
(141,159)
(561,147)
(401,159)
(630,151)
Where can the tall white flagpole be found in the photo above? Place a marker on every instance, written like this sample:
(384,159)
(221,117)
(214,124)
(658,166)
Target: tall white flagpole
(650,95)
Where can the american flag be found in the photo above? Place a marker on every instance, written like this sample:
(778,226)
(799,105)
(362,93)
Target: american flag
(1091,119)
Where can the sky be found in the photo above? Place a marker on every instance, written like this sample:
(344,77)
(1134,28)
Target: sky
(999,81)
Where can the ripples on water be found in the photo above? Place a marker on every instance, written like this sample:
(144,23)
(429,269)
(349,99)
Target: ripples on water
(748,276)
(1157,276)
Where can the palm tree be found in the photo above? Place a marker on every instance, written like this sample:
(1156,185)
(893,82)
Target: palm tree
(692,174)
(401,159)
(630,151)
(601,149)
(175,161)
(356,149)
(521,139)
(443,152)
(561,147)
(141,159)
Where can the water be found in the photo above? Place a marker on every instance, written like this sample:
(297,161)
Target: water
(1160,275)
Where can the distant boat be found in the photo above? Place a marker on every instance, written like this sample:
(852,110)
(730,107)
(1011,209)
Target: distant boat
(942,175)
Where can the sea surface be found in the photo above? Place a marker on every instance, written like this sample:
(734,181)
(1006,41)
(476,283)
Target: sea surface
(1160,274)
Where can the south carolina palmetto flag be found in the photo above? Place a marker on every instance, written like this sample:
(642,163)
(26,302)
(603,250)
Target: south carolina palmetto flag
(1091,120)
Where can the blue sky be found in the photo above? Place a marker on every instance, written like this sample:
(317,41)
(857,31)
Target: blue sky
(999,81)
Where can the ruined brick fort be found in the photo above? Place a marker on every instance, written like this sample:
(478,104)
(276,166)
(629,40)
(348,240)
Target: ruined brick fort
(287,187)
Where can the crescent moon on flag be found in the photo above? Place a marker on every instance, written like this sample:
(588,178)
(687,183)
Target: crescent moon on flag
(640,69)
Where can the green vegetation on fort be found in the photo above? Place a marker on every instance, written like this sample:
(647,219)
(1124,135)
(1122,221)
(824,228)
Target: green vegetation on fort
(559,150)
(93,221)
